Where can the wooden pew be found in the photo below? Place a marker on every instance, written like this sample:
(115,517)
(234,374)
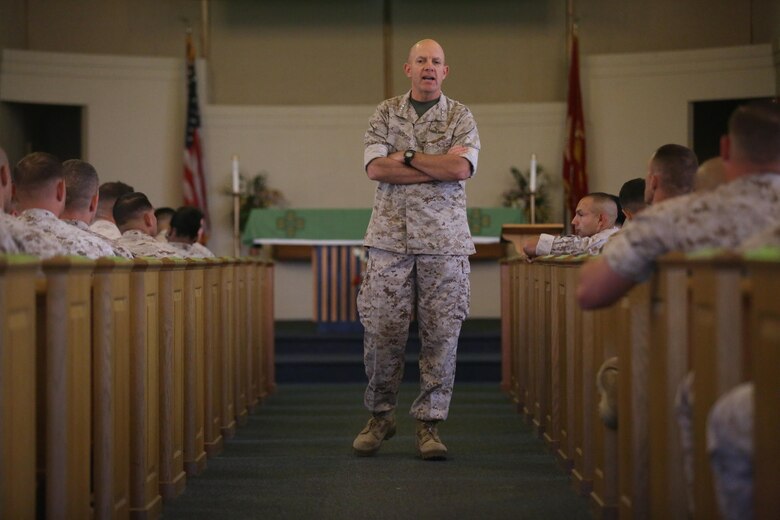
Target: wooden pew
(719,308)
(668,366)
(212,359)
(194,390)
(611,330)
(764,271)
(702,314)
(585,400)
(569,395)
(523,358)
(145,499)
(17,386)
(65,362)
(227,348)
(111,387)
(557,343)
(633,454)
(540,346)
(171,377)
(511,331)
(241,342)
(267,278)
(258,338)
(253,349)
(105,363)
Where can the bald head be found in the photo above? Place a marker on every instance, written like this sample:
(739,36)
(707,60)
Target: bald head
(595,212)
(424,46)
(426,68)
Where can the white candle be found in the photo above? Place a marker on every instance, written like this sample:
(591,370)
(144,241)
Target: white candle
(532,180)
(236,187)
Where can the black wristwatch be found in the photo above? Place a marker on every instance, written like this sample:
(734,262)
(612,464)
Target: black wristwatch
(408,156)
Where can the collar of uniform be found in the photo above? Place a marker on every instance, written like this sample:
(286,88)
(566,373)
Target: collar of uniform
(38,214)
(78,223)
(136,233)
(440,108)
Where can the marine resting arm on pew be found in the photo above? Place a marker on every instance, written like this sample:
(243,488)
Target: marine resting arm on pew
(599,285)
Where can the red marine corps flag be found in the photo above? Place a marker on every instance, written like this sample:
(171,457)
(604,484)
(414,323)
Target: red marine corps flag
(194,179)
(575,177)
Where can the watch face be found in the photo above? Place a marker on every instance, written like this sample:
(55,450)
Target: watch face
(408,154)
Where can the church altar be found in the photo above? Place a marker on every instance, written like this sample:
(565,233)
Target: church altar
(331,239)
(347,226)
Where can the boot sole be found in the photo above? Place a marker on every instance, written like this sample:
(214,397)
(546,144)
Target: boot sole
(433,455)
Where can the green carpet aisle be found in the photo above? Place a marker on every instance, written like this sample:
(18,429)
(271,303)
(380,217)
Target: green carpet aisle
(294,460)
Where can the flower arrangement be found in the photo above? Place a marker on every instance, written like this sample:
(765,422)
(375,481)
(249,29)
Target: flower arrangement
(255,193)
(519,196)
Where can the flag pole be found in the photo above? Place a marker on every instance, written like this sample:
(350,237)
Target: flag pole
(569,37)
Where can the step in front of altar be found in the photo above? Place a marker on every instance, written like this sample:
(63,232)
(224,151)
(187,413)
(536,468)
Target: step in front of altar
(307,354)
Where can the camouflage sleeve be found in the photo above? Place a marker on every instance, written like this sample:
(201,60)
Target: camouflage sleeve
(375,139)
(466,134)
(632,252)
(569,245)
(573,244)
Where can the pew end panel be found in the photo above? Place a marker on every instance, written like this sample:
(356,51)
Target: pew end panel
(172,477)
(212,360)
(145,498)
(66,385)
(111,387)
(717,336)
(633,454)
(18,386)
(194,389)
(765,358)
(669,365)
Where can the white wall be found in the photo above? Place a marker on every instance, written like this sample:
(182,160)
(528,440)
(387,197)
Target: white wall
(134,111)
(313,154)
(635,103)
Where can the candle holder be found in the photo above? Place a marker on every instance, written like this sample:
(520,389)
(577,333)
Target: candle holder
(236,223)
(532,197)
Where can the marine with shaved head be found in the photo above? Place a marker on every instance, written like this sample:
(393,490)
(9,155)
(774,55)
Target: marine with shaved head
(13,233)
(593,222)
(420,148)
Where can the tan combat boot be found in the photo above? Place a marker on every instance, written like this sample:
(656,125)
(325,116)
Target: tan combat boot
(378,429)
(607,385)
(429,445)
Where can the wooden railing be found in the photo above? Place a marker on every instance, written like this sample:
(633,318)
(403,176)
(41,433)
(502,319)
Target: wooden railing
(118,378)
(717,317)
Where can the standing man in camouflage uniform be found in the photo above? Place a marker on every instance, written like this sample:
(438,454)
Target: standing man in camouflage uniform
(421,147)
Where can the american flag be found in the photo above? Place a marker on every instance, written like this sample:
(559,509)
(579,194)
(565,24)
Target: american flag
(194,178)
(575,177)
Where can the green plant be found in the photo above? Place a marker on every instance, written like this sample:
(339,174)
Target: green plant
(255,193)
(519,196)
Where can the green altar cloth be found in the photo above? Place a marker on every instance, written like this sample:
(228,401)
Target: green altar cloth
(348,226)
